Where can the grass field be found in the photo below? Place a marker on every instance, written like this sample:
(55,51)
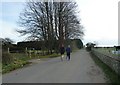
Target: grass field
(107,51)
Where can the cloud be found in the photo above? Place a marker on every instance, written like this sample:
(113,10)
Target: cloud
(9,30)
(13,0)
(10,13)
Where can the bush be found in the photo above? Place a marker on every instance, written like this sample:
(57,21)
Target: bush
(54,55)
(88,48)
(6,58)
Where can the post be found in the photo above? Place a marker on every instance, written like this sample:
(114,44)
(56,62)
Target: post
(8,50)
(30,53)
(26,51)
(35,52)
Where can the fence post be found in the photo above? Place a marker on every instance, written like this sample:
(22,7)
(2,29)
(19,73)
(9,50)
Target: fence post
(30,53)
(26,51)
(8,50)
(35,53)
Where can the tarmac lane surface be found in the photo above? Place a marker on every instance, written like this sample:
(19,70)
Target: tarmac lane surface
(80,69)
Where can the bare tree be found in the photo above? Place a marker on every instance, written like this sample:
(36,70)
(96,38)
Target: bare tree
(6,41)
(51,22)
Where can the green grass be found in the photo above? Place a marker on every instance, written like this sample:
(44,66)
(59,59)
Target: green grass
(49,56)
(107,51)
(114,78)
(21,59)
(14,65)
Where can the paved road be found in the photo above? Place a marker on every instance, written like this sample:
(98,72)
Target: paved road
(81,69)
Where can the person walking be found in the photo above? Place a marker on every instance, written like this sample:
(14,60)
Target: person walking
(68,51)
(62,51)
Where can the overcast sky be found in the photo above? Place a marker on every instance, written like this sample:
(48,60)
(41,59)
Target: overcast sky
(99,18)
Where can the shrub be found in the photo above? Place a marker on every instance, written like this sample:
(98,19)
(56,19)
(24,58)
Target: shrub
(6,58)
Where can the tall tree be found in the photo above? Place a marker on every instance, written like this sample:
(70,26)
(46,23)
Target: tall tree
(52,22)
(6,41)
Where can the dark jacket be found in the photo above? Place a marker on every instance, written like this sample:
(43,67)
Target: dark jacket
(62,50)
(68,50)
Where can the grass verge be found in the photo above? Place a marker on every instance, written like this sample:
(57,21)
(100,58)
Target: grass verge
(13,66)
(20,60)
(114,79)
(49,56)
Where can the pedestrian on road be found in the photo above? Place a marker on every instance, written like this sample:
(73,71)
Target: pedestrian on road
(68,51)
(62,51)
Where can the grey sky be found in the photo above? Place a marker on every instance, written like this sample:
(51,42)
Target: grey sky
(99,17)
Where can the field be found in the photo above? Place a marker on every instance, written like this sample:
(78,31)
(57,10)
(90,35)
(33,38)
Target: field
(107,51)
